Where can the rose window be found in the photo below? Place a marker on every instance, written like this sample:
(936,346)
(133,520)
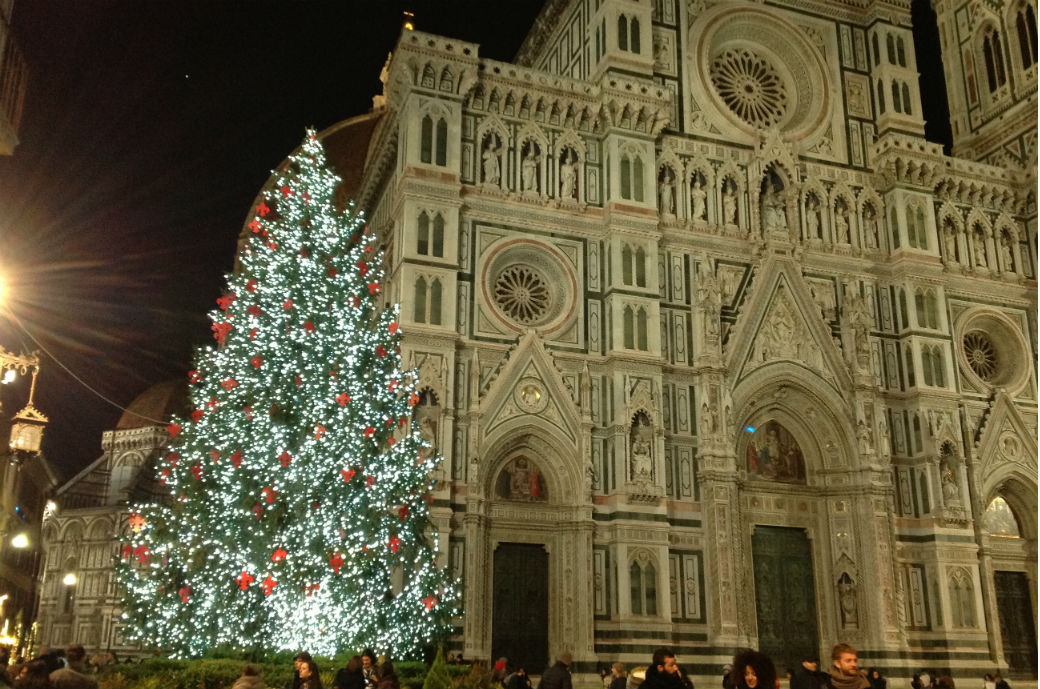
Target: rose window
(750,86)
(522,293)
(981,354)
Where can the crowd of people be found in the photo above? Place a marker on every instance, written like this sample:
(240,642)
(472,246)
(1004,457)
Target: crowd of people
(68,669)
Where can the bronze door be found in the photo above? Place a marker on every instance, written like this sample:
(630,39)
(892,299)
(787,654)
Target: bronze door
(520,607)
(1015,610)
(785,597)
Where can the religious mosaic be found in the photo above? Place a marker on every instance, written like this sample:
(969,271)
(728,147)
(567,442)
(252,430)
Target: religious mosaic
(774,454)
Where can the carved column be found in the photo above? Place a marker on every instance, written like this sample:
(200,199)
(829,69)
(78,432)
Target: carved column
(476,623)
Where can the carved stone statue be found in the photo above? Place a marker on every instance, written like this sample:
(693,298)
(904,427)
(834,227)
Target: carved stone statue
(490,163)
(709,296)
(870,228)
(863,436)
(883,443)
(948,477)
(847,602)
(950,238)
(980,250)
(641,449)
(729,204)
(841,224)
(568,177)
(667,193)
(774,210)
(812,217)
(529,170)
(1007,261)
(698,198)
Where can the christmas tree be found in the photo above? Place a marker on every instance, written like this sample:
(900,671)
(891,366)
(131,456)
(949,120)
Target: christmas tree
(299,485)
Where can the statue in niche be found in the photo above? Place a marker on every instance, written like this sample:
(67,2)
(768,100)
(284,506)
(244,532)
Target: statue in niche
(847,602)
(841,223)
(729,203)
(568,174)
(426,412)
(883,442)
(641,439)
(863,436)
(774,454)
(980,250)
(812,217)
(870,227)
(710,297)
(521,480)
(950,240)
(698,199)
(491,166)
(667,192)
(529,169)
(774,206)
(948,478)
(1006,257)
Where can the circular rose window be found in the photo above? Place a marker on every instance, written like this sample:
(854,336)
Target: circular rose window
(981,354)
(528,284)
(993,351)
(750,86)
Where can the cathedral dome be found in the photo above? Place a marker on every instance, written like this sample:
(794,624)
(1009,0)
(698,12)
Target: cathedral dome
(156,405)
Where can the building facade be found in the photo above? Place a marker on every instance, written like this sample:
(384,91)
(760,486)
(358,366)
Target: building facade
(718,349)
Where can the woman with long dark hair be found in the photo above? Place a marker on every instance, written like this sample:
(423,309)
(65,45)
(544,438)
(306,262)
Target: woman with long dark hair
(753,670)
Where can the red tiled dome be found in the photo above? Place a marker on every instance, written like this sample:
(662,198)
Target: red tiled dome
(154,406)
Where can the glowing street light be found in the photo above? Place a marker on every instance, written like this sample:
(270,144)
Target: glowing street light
(70,579)
(20,541)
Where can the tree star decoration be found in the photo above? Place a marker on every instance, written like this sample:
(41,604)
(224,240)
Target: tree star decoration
(315,532)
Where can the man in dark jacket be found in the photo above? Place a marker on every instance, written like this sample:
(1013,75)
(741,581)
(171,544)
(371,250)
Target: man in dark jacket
(808,676)
(663,672)
(559,675)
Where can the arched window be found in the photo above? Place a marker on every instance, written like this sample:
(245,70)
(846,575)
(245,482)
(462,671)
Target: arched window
(904,321)
(426,140)
(438,235)
(442,141)
(422,235)
(881,96)
(640,266)
(634,34)
(900,52)
(894,226)
(896,102)
(420,300)
(890,43)
(435,302)
(922,231)
(999,520)
(938,366)
(877,52)
(622,32)
(641,335)
(993,55)
(626,176)
(637,178)
(962,598)
(643,587)
(906,99)
(1025,26)
(628,323)
(908,359)
(626,264)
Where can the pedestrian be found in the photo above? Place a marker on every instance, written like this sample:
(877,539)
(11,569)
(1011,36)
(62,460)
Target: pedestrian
(559,675)
(987,682)
(663,673)
(684,677)
(310,676)
(605,677)
(387,677)
(498,673)
(753,670)
(1001,682)
(517,680)
(727,681)
(807,675)
(926,680)
(944,682)
(249,679)
(368,667)
(877,681)
(299,661)
(845,672)
(75,674)
(350,677)
(618,676)
(33,676)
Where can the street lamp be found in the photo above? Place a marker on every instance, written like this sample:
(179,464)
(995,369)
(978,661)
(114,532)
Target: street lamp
(69,579)
(28,424)
(20,541)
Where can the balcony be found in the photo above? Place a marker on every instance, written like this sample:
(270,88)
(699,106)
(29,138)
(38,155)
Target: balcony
(13,77)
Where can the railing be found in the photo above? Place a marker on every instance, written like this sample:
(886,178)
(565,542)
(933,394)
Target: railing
(14,74)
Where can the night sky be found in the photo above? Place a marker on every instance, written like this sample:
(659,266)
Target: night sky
(149,127)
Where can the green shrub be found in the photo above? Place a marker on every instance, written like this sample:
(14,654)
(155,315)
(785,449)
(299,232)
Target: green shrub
(437,677)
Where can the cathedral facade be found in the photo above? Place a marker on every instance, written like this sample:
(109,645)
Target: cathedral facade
(719,351)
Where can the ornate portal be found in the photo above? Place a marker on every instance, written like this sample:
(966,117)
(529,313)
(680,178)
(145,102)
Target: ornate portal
(774,454)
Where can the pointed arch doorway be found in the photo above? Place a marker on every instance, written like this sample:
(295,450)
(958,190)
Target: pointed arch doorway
(520,606)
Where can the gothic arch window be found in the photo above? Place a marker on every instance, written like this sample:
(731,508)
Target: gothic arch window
(911,379)
(904,320)
(626,176)
(877,51)
(890,43)
(633,34)
(927,305)
(433,140)
(447,80)
(641,330)
(906,99)
(426,140)
(438,235)
(916,230)
(640,260)
(442,142)
(993,56)
(1025,28)
(622,32)
(881,96)
(633,265)
(422,235)
(427,307)
(896,102)
(429,77)
(643,585)
(419,312)
(435,302)
(894,226)
(933,365)
(962,598)
(628,328)
(900,52)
